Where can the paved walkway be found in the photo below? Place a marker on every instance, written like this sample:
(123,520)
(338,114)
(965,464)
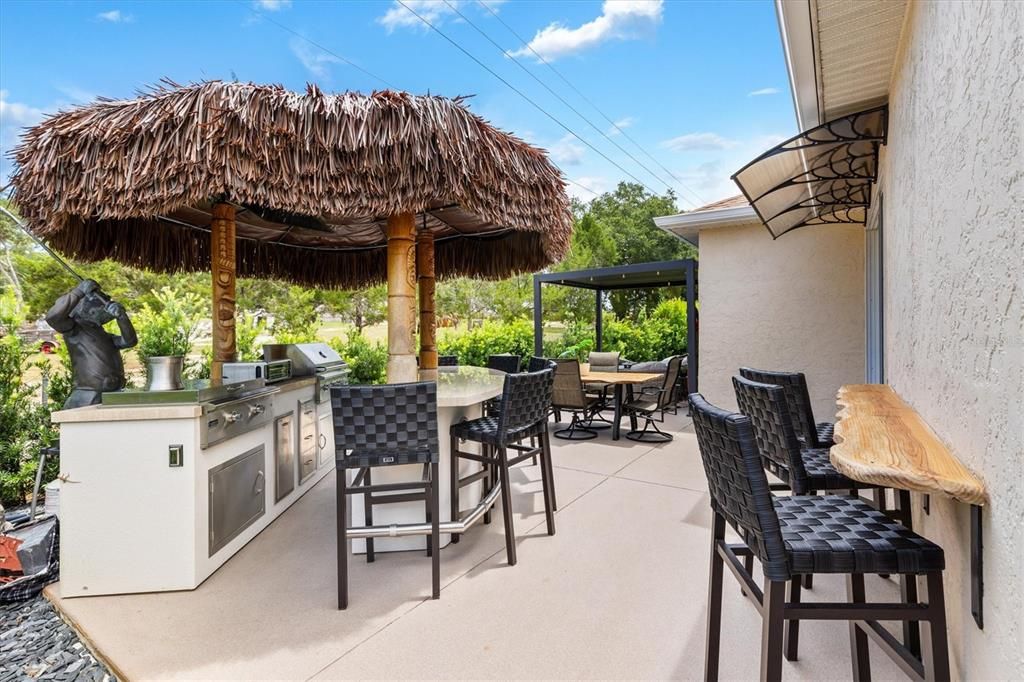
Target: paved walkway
(618,592)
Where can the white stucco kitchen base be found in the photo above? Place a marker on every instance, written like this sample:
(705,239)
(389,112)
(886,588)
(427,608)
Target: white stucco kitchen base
(130,522)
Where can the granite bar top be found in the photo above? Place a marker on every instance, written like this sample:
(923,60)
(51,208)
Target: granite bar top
(464,385)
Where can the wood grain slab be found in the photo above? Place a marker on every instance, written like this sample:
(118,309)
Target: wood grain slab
(617,377)
(881,439)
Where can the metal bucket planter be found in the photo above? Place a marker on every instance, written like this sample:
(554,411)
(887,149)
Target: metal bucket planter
(163,373)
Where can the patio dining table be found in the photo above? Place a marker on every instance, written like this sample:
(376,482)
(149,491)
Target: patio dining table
(621,382)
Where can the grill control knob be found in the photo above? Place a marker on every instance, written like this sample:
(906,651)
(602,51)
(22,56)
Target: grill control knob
(232,417)
(256,410)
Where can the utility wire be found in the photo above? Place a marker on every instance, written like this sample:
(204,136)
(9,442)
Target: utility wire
(321,47)
(589,101)
(555,93)
(523,95)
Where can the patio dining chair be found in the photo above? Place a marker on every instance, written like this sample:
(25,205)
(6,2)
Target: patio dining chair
(447,360)
(569,396)
(794,384)
(509,364)
(525,401)
(387,425)
(651,404)
(802,535)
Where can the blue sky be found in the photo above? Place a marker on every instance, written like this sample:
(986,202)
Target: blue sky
(701,86)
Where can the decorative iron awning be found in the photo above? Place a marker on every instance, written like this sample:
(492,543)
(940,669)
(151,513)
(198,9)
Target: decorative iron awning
(819,177)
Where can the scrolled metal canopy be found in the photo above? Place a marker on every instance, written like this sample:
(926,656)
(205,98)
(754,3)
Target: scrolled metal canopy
(821,176)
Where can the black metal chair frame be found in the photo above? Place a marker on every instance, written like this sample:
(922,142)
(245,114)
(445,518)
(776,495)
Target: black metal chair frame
(655,413)
(581,408)
(740,497)
(369,432)
(525,401)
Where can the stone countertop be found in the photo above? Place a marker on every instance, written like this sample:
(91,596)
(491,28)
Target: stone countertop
(118,413)
(464,385)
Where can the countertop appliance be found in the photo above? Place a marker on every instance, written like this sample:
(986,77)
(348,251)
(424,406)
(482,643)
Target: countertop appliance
(229,409)
(311,359)
(273,371)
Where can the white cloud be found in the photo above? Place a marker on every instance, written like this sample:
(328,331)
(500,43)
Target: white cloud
(115,16)
(16,113)
(398,16)
(619,20)
(76,94)
(587,187)
(566,152)
(763,91)
(698,142)
(272,5)
(316,61)
(620,125)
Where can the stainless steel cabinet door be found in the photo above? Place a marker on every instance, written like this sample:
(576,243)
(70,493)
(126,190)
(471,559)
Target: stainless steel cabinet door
(237,490)
(284,456)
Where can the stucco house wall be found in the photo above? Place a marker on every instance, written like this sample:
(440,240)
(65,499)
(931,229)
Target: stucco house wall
(796,303)
(952,177)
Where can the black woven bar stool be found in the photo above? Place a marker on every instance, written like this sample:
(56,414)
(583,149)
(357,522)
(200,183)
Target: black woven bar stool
(794,385)
(793,536)
(377,426)
(447,360)
(509,364)
(522,413)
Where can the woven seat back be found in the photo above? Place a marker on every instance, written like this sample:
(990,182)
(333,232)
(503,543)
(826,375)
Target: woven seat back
(525,400)
(509,364)
(536,364)
(794,384)
(667,395)
(604,361)
(388,418)
(568,387)
(447,360)
(737,482)
(768,410)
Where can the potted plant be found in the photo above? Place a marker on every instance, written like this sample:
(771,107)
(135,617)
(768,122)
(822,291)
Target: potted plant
(166,332)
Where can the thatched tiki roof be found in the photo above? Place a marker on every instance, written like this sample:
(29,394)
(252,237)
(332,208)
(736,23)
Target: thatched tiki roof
(313,177)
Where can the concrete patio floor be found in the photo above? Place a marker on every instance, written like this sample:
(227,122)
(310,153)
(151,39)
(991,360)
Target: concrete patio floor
(618,592)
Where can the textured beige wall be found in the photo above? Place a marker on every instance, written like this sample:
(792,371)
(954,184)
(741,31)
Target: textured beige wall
(796,303)
(952,177)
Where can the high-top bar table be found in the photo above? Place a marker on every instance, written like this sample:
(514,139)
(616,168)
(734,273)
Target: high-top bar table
(880,439)
(619,381)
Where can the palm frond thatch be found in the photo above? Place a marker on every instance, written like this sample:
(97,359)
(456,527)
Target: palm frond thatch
(314,177)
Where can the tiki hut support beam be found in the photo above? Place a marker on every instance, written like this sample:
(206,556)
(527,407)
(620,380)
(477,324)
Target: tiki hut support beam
(223,264)
(401,297)
(428,318)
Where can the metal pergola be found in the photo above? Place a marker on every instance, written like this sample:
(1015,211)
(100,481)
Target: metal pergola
(672,273)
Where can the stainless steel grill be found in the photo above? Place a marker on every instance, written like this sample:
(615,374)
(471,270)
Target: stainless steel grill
(311,359)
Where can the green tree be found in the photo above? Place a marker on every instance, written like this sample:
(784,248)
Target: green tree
(628,214)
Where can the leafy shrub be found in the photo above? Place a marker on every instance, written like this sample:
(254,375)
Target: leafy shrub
(24,422)
(491,338)
(649,338)
(170,326)
(367,362)
(248,329)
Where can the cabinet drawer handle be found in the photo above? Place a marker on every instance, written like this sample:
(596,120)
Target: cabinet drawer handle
(323,441)
(308,437)
(258,486)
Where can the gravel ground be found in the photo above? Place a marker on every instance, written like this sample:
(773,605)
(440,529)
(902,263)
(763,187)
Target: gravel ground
(35,644)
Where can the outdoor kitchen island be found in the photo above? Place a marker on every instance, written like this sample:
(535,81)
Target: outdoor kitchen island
(155,499)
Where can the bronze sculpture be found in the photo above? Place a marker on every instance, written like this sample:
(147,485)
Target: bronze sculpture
(96,364)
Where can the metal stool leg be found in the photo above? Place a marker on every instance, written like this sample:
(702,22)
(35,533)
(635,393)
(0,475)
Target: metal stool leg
(935,647)
(506,507)
(435,531)
(453,472)
(714,632)
(771,629)
(859,655)
(342,541)
(792,636)
(368,514)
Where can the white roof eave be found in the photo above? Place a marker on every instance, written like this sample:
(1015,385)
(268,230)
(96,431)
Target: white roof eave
(687,226)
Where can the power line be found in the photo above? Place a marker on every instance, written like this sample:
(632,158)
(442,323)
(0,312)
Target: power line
(523,95)
(555,93)
(321,47)
(588,100)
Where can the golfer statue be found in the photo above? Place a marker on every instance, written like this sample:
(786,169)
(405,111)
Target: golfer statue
(96,364)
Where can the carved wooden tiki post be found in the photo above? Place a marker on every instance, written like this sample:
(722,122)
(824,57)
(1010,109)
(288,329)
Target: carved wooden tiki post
(428,319)
(401,297)
(223,264)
